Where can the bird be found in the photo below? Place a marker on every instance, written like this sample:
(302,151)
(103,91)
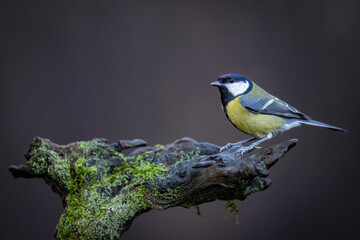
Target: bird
(258,113)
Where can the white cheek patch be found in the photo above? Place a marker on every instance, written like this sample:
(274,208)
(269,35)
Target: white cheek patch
(238,88)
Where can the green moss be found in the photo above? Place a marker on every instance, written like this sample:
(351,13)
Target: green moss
(262,166)
(184,156)
(170,195)
(38,164)
(107,202)
(231,208)
(77,210)
(255,186)
(44,160)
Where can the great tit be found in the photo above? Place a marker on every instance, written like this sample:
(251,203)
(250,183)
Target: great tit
(255,112)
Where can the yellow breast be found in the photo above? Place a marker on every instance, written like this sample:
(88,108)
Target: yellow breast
(254,124)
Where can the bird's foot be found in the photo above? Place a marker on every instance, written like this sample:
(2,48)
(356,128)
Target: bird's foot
(227,146)
(244,150)
(238,144)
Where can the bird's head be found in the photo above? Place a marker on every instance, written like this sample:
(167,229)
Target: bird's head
(233,85)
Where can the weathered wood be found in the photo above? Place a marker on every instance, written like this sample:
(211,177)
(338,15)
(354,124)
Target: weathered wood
(103,190)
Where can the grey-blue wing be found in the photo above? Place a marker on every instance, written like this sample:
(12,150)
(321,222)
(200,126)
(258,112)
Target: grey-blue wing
(271,106)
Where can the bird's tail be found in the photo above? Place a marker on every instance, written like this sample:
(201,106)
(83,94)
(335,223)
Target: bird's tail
(321,124)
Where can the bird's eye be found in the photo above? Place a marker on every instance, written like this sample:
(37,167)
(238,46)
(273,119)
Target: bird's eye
(231,80)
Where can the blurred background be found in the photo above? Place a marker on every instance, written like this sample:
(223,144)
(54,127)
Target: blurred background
(74,70)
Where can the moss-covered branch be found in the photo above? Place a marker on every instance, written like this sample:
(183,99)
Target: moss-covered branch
(103,190)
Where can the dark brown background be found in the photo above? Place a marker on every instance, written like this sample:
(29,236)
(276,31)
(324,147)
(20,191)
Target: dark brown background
(130,69)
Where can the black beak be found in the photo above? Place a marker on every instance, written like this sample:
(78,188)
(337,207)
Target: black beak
(216,84)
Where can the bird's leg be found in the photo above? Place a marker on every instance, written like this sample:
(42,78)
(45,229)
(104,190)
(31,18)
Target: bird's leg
(238,144)
(243,150)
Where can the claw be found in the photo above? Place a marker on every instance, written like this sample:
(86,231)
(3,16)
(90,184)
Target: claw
(244,150)
(227,146)
(238,144)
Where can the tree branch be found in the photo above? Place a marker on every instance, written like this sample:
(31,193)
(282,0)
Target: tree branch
(103,190)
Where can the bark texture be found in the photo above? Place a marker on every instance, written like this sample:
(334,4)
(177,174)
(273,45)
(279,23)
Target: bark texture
(103,190)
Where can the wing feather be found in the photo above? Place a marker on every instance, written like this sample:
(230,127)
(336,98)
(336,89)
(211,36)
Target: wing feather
(271,105)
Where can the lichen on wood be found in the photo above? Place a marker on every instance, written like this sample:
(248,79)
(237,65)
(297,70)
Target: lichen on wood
(103,190)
